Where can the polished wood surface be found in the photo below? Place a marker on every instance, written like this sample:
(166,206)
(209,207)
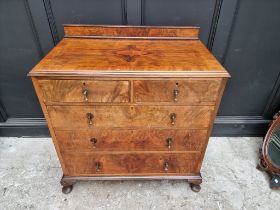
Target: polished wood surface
(75,117)
(46,115)
(266,163)
(130,102)
(82,55)
(73,91)
(192,92)
(128,164)
(130,58)
(130,31)
(115,140)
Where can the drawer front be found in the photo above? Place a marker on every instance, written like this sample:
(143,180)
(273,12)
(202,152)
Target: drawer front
(84,91)
(192,92)
(84,117)
(131,140)
(125,164)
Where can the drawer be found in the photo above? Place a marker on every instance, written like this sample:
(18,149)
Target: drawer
(84,91)
(130,164)
(131,140)
(191,91)
(84,117)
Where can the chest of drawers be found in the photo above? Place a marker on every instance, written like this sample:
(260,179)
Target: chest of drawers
(126,102)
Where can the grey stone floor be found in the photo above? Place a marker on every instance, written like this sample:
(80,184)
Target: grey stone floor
(30,174)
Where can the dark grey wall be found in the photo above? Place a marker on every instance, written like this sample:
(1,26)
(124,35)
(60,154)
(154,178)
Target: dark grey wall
(242,34)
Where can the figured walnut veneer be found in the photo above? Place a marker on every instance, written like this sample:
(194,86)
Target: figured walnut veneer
(126,102)
(130,140)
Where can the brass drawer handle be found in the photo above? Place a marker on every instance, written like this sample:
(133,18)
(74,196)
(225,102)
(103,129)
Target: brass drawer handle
(169,142)
(97,166)
(173,118)
(93,142)
(166,166)
(85,93)
(89,118)
(176,93)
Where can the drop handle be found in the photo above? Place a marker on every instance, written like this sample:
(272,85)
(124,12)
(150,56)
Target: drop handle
(97,166)
(85,93)
(175,95)
(173,118)
(93,142)
(89,118)
(166,166)
(169,142)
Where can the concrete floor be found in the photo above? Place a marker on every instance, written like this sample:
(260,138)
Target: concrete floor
(30,174)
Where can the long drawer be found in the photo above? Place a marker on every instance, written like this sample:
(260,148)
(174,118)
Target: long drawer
(84,117)
(85,91)
(130,164)
(131,140)
(189,92)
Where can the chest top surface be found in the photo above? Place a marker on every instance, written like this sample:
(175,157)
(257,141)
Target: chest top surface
(129,51)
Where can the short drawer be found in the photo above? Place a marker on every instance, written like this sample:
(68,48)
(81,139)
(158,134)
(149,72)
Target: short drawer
(84,91)
(190,91)
(84,117)
(132,140)
(130,164)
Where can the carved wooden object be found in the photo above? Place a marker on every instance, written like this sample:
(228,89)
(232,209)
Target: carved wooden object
(269,162)
(128,102)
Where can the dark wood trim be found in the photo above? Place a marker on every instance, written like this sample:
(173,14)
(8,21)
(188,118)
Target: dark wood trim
(240,126)
(19,127)
(124,11)
(224,24)
(51,21)
(115,178)
(214,24)
(241,120)
(24,122)
(33,28)
(67,182)
(3,114)
(223,126)
(41,25)
(273,104)
(142,12)
(264,159)
(232,27)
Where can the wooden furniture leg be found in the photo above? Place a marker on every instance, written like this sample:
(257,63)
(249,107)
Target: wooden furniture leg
(67,184)
(195,184)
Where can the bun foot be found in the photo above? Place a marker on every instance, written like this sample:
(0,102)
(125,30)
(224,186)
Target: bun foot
(195,187)
(67,189)
(195,184)
(67,184)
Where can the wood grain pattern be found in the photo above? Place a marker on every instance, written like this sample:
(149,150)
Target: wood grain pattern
(129,164)
(152,94)
(131,140)
(46,114)
(74,117)
(72,91)
(191,92)
(130,31)
(86,57)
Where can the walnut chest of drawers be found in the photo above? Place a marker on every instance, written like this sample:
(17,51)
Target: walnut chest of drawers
(127,102)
